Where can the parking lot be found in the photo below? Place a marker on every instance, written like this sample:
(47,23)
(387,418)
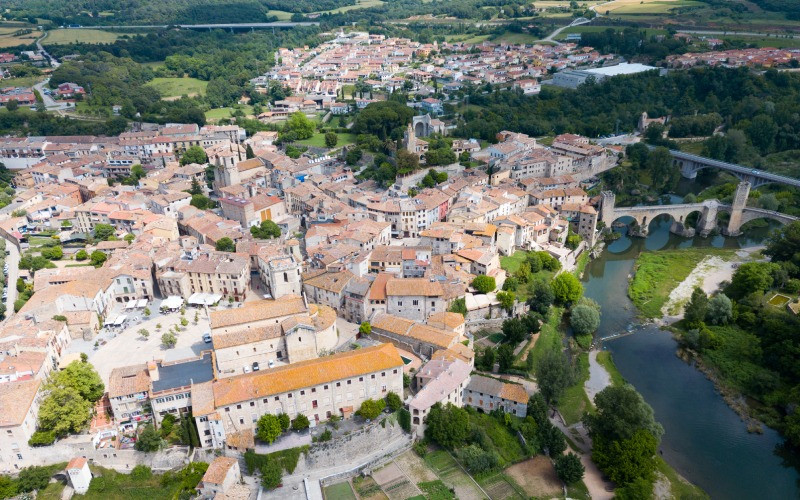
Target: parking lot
(126,346)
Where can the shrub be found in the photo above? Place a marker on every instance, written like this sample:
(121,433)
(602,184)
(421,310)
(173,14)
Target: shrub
(300,422)
(141,473)
(326,435)
(393,401)
(42,438)
(371,408)
(404,418)
(484,284)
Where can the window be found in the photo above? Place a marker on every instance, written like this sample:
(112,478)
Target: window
(313,389)
(349,382)
(265,400)
(290,395)
(360,379)
(252,403)
(400,303)
(414,302)
(241,420)
(227,409)
(276,398)
(314,404)
(238,407)
(383,374)
(299,339)
(372,376)
(326,387)
(338,384)
(395,371)
(285,277)
(302,393)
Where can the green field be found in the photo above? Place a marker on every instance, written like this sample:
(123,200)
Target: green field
(282,15)
(511,265)
(25,81)
(360,4)
(219,113)
(318,140)
(176,87)
(659,272)
(339,491)
(620,7)
(601,29)
(575,402)
(516,38)
(64,36)
(451,474)
(549,335)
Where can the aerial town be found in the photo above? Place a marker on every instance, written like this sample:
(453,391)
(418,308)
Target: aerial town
(376,250)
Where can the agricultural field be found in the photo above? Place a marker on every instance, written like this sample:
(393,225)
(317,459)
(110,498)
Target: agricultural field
(177,87)
(501,487)
(65,36)
(453,476)
(12,36)
(621,7)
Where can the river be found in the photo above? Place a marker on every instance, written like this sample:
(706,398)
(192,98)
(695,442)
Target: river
(704,439)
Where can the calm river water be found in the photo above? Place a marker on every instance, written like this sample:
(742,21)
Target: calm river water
(704,439)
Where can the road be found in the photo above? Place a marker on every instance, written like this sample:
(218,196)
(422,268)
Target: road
(53,61)
(576,22)
(279,24)
(50,103)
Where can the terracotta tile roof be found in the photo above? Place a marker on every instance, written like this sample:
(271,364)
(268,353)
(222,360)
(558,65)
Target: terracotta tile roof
(76,463)
(258,311)
(128,380)
(446,320)
(332,282)
(414,287)
(202,399)
(514,392)
(407,328)
(218,470)
(305,374)
(16,399)
(224,340)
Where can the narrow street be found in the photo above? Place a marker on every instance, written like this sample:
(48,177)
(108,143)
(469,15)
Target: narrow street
(12,259)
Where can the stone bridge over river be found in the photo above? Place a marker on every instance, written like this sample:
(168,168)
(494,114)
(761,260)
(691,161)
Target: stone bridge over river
(708,212)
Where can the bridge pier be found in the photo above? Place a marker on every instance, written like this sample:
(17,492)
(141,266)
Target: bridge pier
(681,229)
(688,168)
(708,222)
(738,205)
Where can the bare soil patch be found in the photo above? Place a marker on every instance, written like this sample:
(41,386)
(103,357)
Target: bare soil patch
(536,476)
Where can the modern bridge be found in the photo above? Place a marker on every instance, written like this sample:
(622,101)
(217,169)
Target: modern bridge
(690,164)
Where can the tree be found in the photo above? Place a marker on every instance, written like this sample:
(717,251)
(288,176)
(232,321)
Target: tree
(720,310)
(144,332)
(137,172)
(284,420)
(266,230)
(249,154)
(484,284)
(81,255)
(784,244)
(300,422)
(365,328)
(371,408)
(514,331)
(621,411)
(750,277)
(478,460)
(97,258)
(201,201)
(541,296)
(383,119)
(393,401)
(695,311)
(406,161)
(149,439)
(552,439)
(33,478)
(554,374)
(12,105)
(566,289)
(626,460)
(271,474)
(104,232)
(506,300)
(195,188)
(511,284)
(63,411)
(404,419)
(169,340)
(53,253)
(447,425)
(225,244)
(194,154)
(129,238)
(569,468)
(505,356)
(82,377)
(299,124)
(331,139)
(584,319)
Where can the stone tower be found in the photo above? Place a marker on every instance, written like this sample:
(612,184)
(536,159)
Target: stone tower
(739,203)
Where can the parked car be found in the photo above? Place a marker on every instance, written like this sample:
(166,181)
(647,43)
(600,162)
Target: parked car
(255,366)
(207,338)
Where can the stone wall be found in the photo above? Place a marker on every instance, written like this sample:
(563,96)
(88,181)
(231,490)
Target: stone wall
(119,460)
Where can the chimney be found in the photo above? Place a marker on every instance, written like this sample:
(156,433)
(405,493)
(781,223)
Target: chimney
(152,369)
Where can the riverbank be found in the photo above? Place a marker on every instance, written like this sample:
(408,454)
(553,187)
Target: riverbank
(657,274)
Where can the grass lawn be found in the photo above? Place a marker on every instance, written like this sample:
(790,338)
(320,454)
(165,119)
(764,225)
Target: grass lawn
(219,113)
(339,491)
(111,485)
(605,360)
(318,140)
(503,440)
(25,81)
(646,6)
(511,264)
(679,487)
(176,87)
(64,36)
(658,273)
(574,403)
(549,335)
(516,38)
(282,15)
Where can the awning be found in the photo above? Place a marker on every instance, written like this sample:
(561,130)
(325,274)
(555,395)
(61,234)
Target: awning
(142,303)
(172,302)
(120,320)
(131,305)
(204,299)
